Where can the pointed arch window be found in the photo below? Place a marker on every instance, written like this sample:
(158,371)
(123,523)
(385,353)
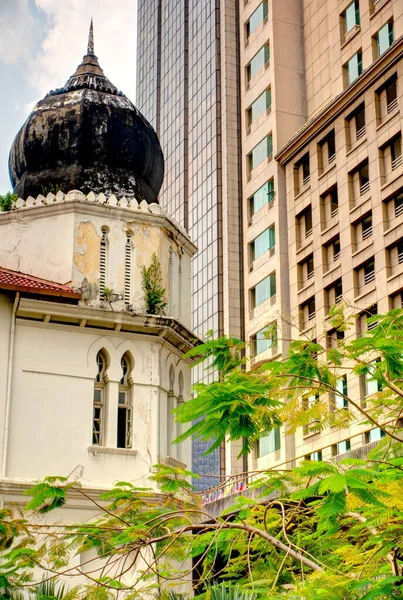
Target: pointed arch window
(124,425)
(171,405)
(99,401)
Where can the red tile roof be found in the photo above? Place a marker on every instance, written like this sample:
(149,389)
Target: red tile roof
(20,282)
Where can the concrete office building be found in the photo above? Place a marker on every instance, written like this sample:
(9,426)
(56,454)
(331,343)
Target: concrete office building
(315,88)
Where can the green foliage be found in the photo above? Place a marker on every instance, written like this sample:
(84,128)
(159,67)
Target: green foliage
(107,294)
(51,188)
(7,201)
(152,285)
(228,592)
(327,530)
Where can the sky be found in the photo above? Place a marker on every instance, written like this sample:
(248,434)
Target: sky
(41,44)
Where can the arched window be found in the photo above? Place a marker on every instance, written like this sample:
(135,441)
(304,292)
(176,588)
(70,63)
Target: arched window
(124,429)
(128,268)
(99,401)
(171,405)
(181,385)
(103,261)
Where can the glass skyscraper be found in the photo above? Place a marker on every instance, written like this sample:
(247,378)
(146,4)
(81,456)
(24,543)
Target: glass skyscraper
(192,99)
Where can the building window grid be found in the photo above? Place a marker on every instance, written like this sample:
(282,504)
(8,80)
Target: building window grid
(265,242)
(391,96)
(262,197)
(384,38)
(259,16)
(354,68)
(398,201)
(269,443)
(351,17)
(396,153)
(366,227)
(369,272)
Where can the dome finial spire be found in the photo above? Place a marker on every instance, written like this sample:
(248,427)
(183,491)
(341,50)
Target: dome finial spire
(90,48)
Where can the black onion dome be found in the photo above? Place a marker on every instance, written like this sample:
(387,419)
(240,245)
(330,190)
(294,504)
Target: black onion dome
(87,136)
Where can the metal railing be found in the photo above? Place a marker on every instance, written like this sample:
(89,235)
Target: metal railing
(364,188)
(392,105)
(332,158)
(399,210)
(361,132)
(334,212)
(397,162)
(368,277)
(366,233)
(306,180)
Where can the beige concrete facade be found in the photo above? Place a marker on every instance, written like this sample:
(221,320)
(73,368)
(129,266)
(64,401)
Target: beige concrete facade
(337,177)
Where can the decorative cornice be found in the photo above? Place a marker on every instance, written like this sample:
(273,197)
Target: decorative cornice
(336,106)
(162,327)
(151,211)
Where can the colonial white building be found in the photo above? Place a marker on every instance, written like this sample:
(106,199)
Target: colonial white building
(88,379)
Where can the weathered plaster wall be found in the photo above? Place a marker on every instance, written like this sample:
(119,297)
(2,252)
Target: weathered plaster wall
(6,307)
(59,238)
(52,404)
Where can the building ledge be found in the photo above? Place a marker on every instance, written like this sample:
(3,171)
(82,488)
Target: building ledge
(328,113)
(356,145)
(378,7)
(94,450)
(57,314)
(359,205)
(388,118)
(366,293)
(350,36)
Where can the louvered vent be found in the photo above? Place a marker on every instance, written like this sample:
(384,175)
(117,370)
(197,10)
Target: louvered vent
(102,263)
(128,269)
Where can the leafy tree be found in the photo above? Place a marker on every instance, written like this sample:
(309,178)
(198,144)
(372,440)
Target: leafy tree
(7,201)
(330,530)
(152,286)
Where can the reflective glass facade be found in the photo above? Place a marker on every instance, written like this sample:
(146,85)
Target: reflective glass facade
(180,94)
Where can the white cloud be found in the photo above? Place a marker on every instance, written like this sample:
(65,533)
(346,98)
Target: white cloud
(65,42)
(17,26)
